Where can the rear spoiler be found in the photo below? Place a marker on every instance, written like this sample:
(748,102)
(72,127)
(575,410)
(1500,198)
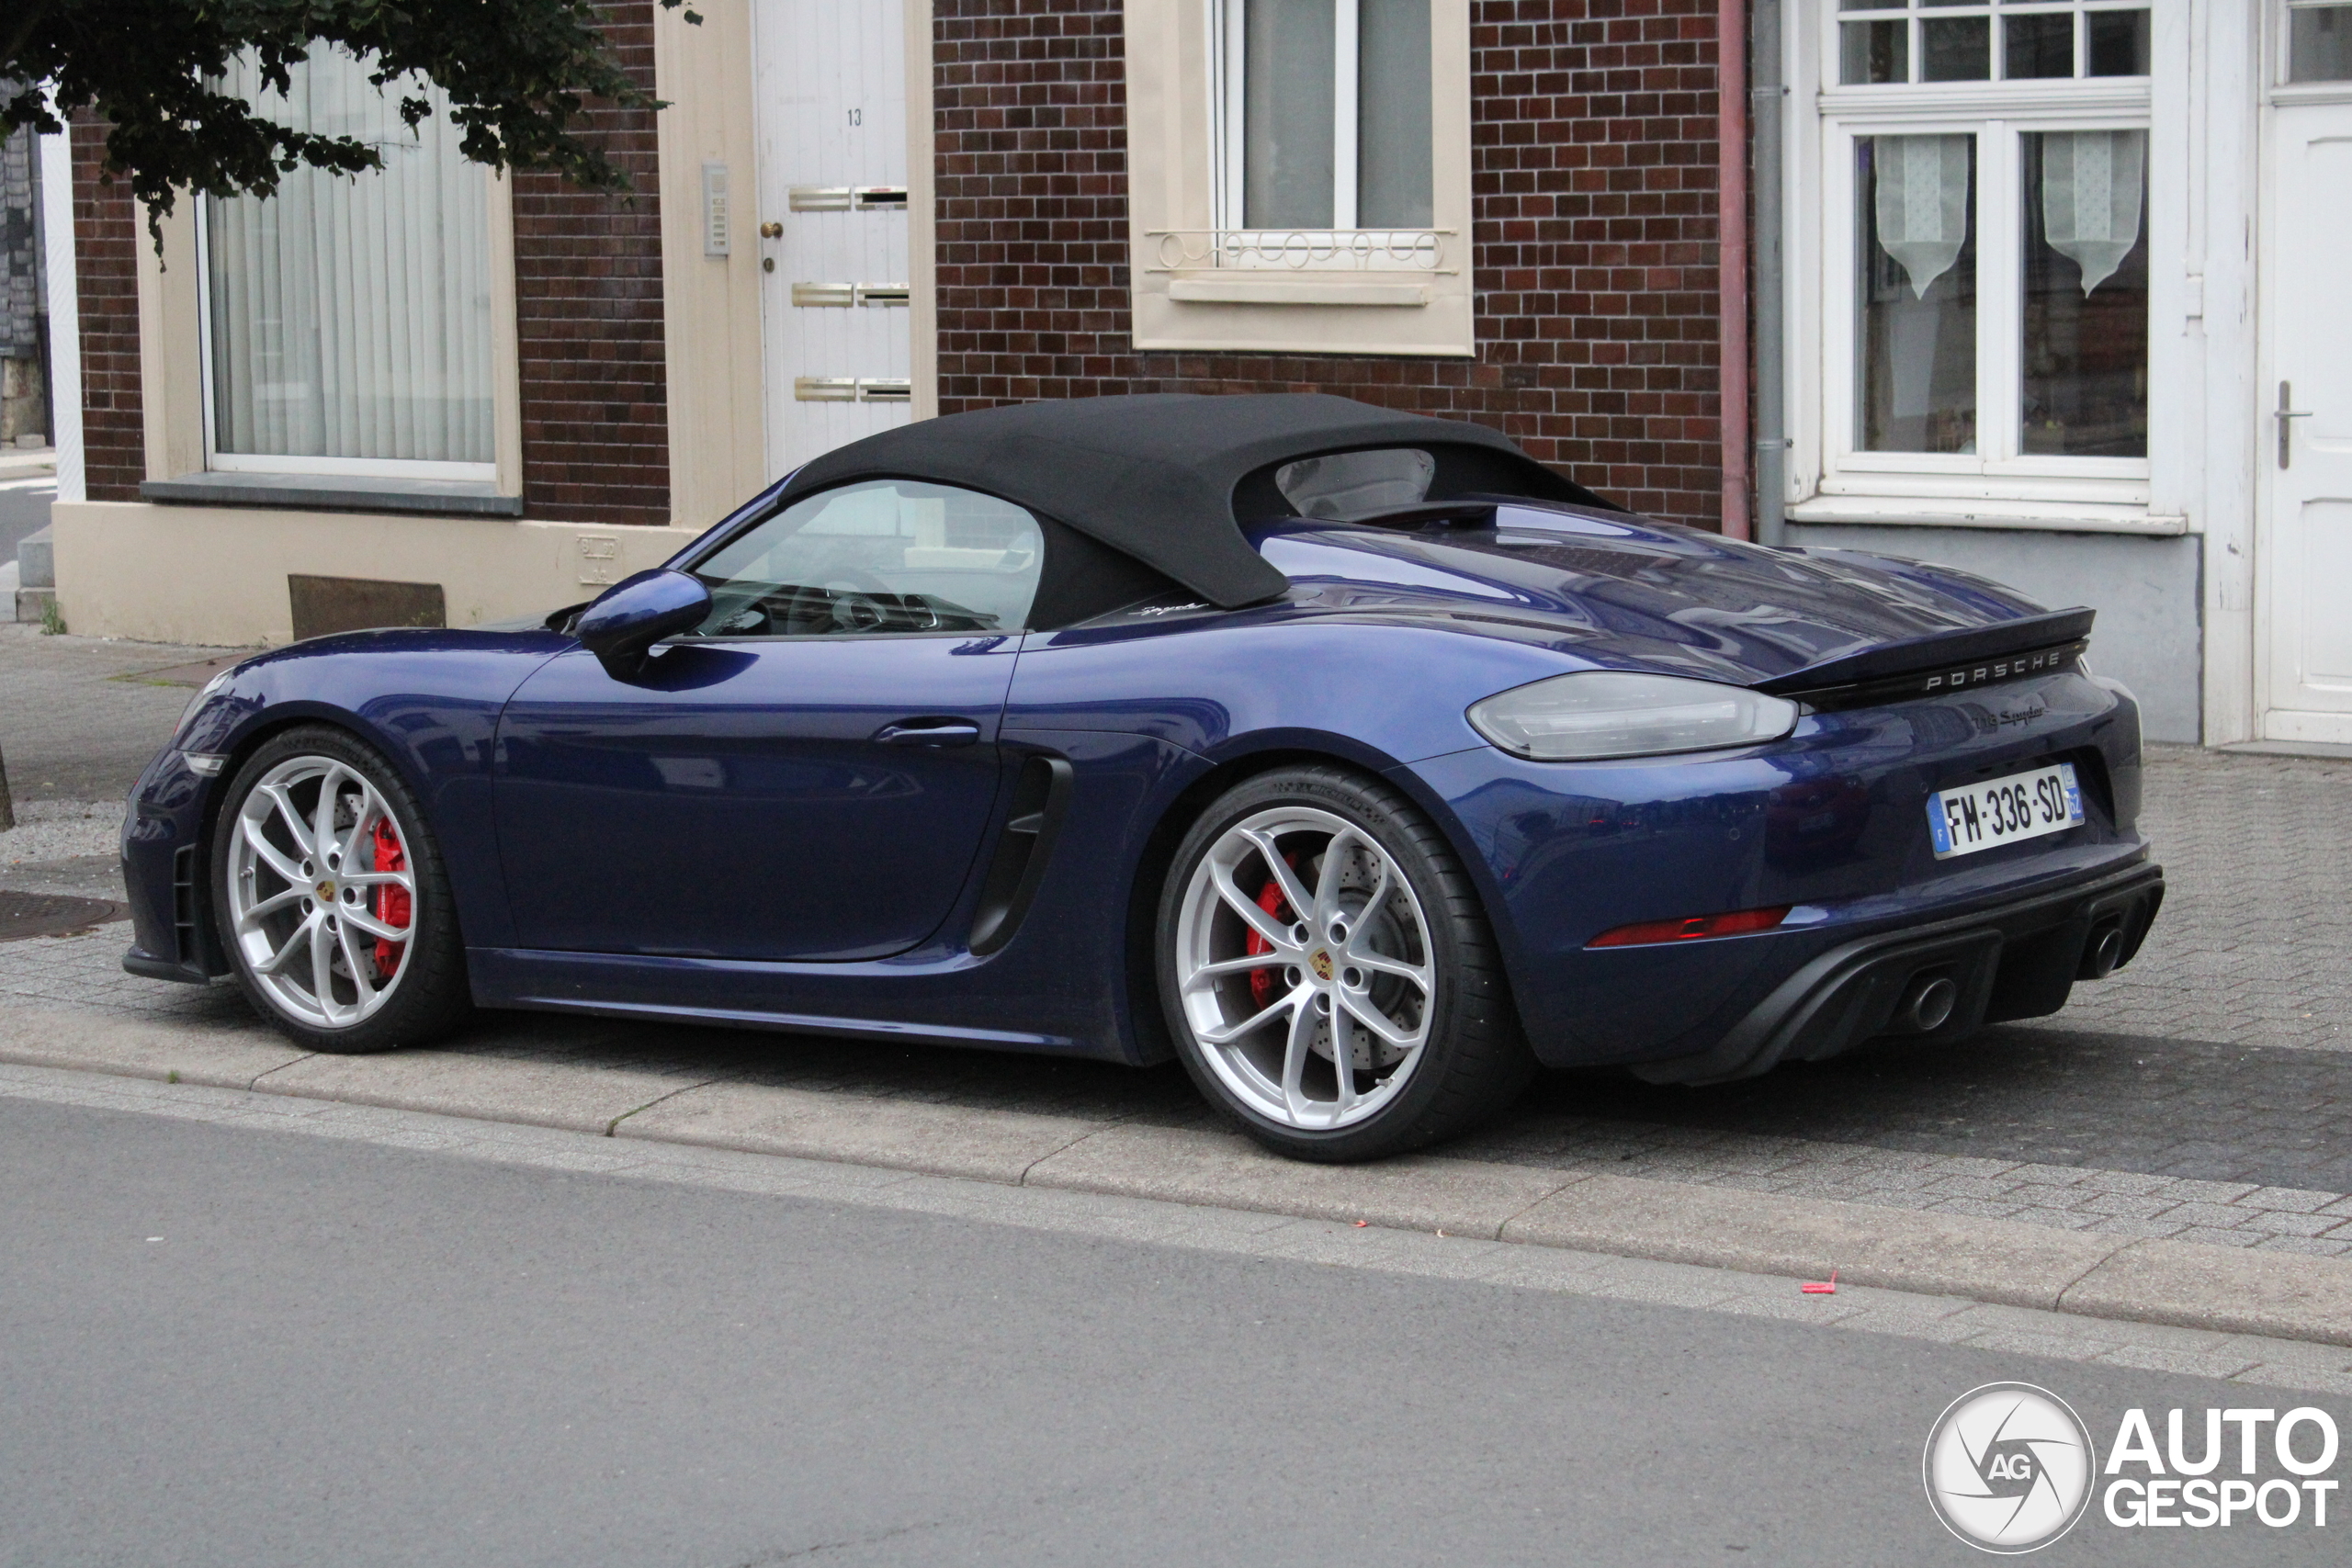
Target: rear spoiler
(1940,662)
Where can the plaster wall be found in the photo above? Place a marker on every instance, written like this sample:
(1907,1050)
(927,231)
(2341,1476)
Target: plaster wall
(217,575)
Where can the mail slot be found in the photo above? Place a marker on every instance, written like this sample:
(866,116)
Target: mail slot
(853,390)
(846,294)
(844,198)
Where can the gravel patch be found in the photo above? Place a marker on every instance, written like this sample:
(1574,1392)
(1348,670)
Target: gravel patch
(61,829)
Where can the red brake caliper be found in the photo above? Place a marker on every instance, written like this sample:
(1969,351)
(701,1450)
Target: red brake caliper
(1270,898)
(391,904)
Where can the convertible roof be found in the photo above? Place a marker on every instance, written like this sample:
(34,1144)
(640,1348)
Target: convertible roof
(1156,476)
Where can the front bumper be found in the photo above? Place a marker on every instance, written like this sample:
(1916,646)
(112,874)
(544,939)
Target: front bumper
(166,876)
(2016,960)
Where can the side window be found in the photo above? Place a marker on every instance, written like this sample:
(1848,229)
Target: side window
(890,556)
(1356,484)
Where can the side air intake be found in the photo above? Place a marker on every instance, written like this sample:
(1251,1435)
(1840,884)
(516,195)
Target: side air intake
(1040,800)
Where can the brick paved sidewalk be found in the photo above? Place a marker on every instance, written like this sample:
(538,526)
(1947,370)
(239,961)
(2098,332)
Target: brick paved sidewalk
(2255,945)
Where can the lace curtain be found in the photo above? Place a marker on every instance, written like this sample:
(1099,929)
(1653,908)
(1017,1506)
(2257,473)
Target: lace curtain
(2092,188)
(1922,206)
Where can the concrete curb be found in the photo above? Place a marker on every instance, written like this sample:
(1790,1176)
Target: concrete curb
(2178,1283)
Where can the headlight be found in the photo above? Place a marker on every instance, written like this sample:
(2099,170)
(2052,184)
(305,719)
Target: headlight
(197,701)
(1614,713)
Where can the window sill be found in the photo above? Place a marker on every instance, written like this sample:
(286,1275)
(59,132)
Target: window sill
(2042,517)
(334,493)
(1290,291)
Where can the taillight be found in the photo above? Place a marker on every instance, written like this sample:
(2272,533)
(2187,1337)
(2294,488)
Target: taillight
(1693,928)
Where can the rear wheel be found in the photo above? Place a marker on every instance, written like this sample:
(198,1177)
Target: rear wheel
(1327,973)
(331,899)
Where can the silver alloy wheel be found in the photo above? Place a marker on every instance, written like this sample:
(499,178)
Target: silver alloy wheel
(1305,967)
(317,898)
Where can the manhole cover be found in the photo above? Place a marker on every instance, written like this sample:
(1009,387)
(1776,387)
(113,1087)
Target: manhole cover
(53,914)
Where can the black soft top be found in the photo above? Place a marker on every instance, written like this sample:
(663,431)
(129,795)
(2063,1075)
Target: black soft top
(1168,478)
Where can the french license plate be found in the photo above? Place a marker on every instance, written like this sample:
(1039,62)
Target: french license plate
(2002,811)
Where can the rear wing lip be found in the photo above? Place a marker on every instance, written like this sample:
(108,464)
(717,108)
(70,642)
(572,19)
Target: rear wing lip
(1958,652)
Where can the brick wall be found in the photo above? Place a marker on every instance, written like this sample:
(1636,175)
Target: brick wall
(588,309)
(1594,234)
(108,233)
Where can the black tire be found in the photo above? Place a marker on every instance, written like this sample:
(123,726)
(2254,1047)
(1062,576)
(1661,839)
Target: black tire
(428,994)
(1474,1060)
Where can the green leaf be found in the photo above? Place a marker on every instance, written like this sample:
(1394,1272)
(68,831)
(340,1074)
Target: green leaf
(520,77)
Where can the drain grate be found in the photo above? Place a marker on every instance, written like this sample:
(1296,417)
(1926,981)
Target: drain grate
(53,914)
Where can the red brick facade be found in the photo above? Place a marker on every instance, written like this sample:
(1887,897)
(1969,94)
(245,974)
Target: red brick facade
(588,310)
(106,237)
(1594,168)
(1594,249)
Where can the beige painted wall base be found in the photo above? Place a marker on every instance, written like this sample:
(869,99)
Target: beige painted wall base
(217,576)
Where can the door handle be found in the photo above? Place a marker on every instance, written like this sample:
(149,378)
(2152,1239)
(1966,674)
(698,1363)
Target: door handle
(927,732)
(2286,414)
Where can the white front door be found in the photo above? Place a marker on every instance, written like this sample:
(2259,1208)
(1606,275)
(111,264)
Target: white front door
(2307,430)
(832,87)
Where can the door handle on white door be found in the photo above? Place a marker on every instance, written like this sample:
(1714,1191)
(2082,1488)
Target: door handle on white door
(2286,414)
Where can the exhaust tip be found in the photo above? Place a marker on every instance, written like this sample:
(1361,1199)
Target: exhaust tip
(1927,1003)
(2103,955)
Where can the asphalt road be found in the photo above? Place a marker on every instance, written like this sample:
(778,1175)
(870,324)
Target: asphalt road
(226,1345)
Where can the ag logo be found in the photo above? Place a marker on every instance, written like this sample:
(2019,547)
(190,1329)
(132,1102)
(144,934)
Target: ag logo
(2009,1468)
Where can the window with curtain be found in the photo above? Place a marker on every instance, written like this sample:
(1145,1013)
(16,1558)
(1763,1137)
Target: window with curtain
(1998,284)
(1916,285)
(348,318)
(1325,114)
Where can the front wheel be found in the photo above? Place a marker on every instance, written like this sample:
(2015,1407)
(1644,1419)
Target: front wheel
(1327,973)
(331,899)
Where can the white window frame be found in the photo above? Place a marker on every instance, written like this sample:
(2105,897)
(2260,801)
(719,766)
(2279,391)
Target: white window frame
(1829,479)
(504,471)
(1198,284)
(1238,245)
(2274,75)
(1228,92)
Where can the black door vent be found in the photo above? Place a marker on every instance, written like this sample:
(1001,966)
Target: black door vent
(1040,800)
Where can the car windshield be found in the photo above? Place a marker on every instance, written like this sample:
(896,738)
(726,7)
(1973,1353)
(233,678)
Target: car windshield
(873,558)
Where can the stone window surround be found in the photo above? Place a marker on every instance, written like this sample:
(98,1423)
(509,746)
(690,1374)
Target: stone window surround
(171,333)
(1171,172)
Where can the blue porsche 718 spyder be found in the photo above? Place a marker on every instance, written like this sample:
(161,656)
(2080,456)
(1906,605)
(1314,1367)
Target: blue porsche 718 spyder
(1354,758)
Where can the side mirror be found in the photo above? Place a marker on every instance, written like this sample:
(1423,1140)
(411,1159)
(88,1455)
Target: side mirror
(637,613)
